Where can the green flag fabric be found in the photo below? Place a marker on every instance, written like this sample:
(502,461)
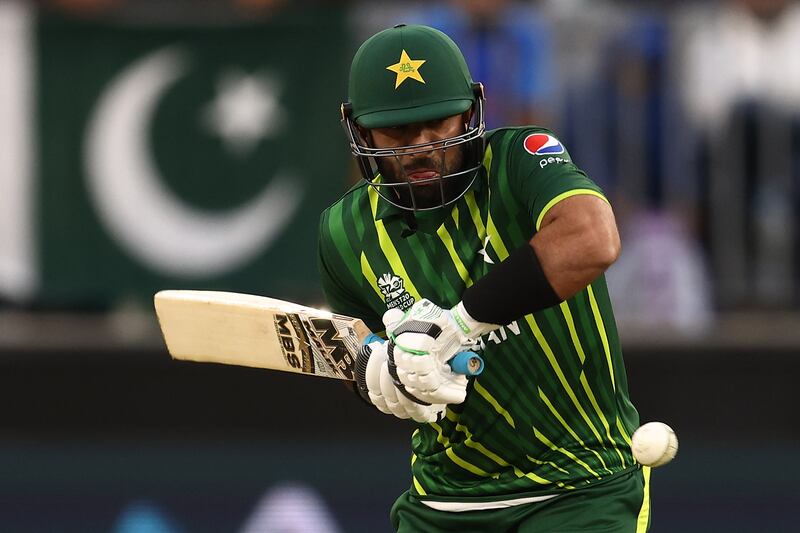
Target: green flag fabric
(182,156)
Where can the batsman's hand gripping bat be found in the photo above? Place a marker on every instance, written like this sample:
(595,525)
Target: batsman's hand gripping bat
(261,332)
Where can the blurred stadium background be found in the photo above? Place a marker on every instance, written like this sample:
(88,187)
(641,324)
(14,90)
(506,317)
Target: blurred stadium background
(149,144)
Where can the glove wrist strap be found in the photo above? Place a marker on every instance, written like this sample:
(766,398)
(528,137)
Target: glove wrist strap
(468,325)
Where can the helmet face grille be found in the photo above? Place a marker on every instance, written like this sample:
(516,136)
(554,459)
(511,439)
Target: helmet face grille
(406,194)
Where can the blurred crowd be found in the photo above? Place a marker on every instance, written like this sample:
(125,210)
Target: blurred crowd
(686,113)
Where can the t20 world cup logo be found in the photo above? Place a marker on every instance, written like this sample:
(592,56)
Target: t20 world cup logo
(394,292)
(391,286)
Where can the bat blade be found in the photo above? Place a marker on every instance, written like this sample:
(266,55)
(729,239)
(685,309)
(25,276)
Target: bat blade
(257,331)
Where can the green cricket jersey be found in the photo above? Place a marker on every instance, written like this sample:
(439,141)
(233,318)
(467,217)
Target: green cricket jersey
(551,410)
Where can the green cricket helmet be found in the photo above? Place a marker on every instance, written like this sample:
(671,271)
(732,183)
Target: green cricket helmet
(404,75)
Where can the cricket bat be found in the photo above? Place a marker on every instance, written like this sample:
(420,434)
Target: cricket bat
(261,332)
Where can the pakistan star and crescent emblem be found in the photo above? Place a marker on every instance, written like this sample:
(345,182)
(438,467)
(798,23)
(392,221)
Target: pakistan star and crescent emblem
(406,68)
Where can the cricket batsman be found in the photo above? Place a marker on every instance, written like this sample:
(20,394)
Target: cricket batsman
(495,241)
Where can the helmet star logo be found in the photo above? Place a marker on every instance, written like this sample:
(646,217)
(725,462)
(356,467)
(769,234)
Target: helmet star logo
(406,68)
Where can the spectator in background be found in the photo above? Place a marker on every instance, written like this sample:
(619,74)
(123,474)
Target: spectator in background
(508,46)
(619,118)
(741,51)
(661,278)
(740,67)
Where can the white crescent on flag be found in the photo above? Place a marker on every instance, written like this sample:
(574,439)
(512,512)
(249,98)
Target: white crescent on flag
(145,217)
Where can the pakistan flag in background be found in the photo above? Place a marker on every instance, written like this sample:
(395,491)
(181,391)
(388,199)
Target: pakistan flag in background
(175,157)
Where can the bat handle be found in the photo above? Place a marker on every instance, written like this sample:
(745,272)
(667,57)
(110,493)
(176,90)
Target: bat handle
(467,363)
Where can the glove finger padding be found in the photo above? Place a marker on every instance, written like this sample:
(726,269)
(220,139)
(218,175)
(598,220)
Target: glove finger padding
(390,394)
(428,379)
(403,407)
(374,376)
(391,319)
(419,412)
(422,344)
(376,352)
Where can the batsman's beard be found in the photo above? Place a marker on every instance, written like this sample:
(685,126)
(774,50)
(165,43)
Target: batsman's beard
(419,182)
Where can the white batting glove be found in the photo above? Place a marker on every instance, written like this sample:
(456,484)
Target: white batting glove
(421,344)
(372,378)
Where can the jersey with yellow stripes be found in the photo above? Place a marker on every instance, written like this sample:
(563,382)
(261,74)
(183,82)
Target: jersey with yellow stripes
(551,411)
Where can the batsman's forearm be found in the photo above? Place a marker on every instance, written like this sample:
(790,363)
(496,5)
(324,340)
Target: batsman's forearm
(576,261)
(575,252)
(576,242)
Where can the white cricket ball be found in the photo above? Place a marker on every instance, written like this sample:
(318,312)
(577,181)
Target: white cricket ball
(654,444)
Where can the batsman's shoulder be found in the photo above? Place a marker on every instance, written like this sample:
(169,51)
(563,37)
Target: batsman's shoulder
(532,151)
(356,192)
(511,136)
(533,142)
(332,217)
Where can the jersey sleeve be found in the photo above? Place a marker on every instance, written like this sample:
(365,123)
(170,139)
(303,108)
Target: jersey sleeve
(341,296)
(541,172)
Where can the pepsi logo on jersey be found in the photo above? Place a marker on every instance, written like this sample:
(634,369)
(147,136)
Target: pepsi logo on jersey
(543,144)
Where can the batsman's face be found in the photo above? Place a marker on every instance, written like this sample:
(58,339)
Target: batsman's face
(424,169)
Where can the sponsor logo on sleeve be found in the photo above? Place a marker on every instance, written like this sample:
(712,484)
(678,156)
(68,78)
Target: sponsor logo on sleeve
(545,145)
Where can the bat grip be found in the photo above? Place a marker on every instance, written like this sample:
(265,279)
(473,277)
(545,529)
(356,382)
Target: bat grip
(467,363)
